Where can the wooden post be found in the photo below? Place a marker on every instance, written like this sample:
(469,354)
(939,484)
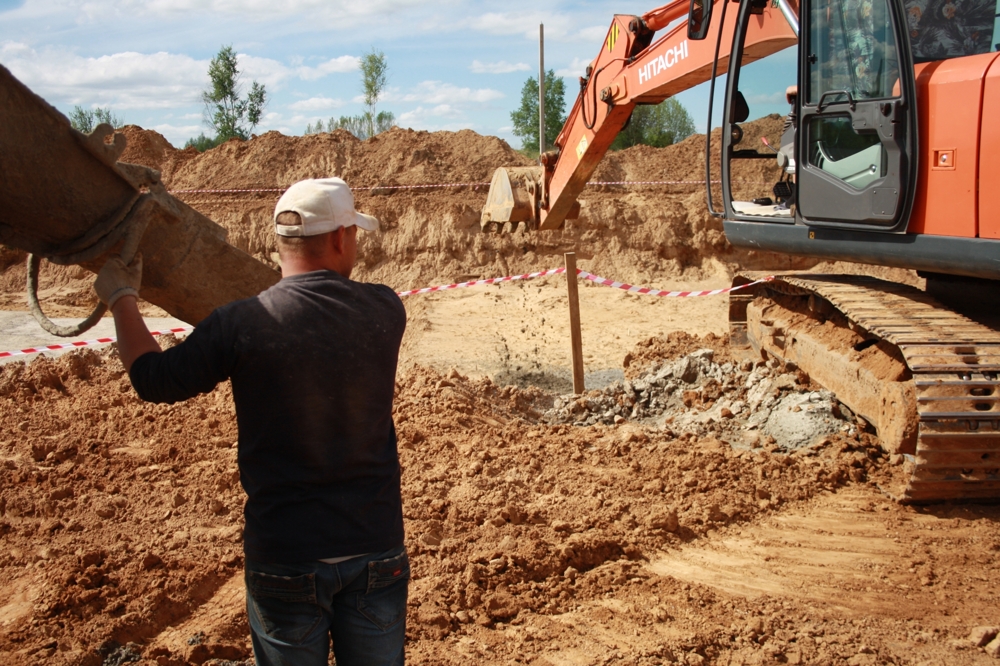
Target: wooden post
(541,89)
(574,322)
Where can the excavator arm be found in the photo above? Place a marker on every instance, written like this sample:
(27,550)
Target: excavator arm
(630,69)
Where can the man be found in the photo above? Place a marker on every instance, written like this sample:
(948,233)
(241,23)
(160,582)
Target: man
(312,362)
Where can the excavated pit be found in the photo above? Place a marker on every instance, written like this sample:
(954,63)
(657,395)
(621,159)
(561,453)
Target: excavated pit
(696,506)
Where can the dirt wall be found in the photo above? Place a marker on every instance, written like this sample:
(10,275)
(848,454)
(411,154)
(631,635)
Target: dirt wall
(646,234)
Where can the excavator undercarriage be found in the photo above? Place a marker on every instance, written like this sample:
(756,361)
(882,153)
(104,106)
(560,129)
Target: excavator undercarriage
(927,378)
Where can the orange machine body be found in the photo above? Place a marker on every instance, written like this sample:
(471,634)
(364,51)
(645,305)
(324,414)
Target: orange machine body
(956,100)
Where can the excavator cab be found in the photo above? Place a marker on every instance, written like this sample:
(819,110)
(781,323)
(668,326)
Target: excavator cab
(874,173)
(854,124)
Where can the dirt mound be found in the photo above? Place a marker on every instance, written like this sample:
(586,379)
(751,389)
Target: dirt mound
(121,524)
(150,148)
(646,234)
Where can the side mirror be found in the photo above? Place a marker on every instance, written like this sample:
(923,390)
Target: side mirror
(699,19)
(738,109)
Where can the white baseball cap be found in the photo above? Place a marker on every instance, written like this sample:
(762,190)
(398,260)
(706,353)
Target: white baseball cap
(324,204)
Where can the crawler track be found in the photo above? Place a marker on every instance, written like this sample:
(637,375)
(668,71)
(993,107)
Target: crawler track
(955,364)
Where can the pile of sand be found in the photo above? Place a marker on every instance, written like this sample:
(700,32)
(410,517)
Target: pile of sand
(646,234)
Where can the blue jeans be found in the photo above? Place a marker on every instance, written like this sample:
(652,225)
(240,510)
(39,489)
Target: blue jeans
(295,609)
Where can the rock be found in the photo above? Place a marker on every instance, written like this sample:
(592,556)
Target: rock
(430,539)
(177,499)
(716,515)
(980,636)
(654,486)
(501,605)
(93,558)
(799,419)
(150,561)
(664,520)
(993,648)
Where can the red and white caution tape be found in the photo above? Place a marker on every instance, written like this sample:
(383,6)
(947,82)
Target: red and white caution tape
(473,283)
(431,186)
(660,292)
(82,343)
(368,187)
(426,290)
(649,182)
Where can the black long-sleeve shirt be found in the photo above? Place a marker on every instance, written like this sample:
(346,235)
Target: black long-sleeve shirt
(313,363)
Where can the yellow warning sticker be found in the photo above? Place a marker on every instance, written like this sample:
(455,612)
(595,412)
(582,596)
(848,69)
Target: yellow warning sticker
(581,147)
(612,37)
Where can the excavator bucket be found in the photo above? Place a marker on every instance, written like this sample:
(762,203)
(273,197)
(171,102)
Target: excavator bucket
(513,198)
(68,199)
(517,194)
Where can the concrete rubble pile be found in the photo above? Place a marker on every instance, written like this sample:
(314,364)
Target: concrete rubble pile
(747,403)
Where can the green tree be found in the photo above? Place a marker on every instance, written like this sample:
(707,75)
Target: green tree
(361,125)
(525,118)
(227,111)
(374,77)
(318,129)
(85,120)
(656,125)
(201,143)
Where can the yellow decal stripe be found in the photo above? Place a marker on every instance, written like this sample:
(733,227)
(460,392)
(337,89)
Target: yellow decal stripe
(612,37)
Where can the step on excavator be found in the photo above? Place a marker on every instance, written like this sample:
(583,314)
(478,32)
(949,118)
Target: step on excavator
(890,157)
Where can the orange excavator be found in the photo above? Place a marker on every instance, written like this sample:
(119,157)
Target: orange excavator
(890,157)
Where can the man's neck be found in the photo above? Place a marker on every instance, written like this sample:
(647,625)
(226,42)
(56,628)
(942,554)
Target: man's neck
(300,265)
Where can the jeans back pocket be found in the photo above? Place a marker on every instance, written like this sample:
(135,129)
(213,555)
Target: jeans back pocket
(383,573)
(285,607)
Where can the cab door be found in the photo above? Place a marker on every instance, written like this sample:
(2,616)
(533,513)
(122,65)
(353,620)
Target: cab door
(856,151)
(854,119)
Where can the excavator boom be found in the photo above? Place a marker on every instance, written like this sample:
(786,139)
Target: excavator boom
(630,69)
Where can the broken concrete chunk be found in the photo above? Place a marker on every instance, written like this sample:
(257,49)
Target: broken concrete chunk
(980,636)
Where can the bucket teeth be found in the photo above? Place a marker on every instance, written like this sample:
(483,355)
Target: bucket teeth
(513,198)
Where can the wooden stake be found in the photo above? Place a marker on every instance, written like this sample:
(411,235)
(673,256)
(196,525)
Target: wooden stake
(576,338)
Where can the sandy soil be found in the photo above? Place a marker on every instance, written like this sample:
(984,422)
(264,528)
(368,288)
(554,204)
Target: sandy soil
(682,532)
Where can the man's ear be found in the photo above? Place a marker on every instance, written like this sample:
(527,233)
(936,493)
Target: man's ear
(337,239)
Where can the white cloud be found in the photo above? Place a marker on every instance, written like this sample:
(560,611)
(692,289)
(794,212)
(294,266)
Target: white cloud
(594,34)
(437,92)
(316,104)
(438,111)
(126,80)
(576,68)
(131,80)
(767,98)
(524,23)
(433,119)
(273,73)
(177,135)
(332,66)
(501,67)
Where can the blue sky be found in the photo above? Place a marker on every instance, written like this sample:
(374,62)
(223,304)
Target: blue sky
(453,64)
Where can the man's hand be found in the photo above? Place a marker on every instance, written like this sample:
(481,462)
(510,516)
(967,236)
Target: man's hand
(117,279)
